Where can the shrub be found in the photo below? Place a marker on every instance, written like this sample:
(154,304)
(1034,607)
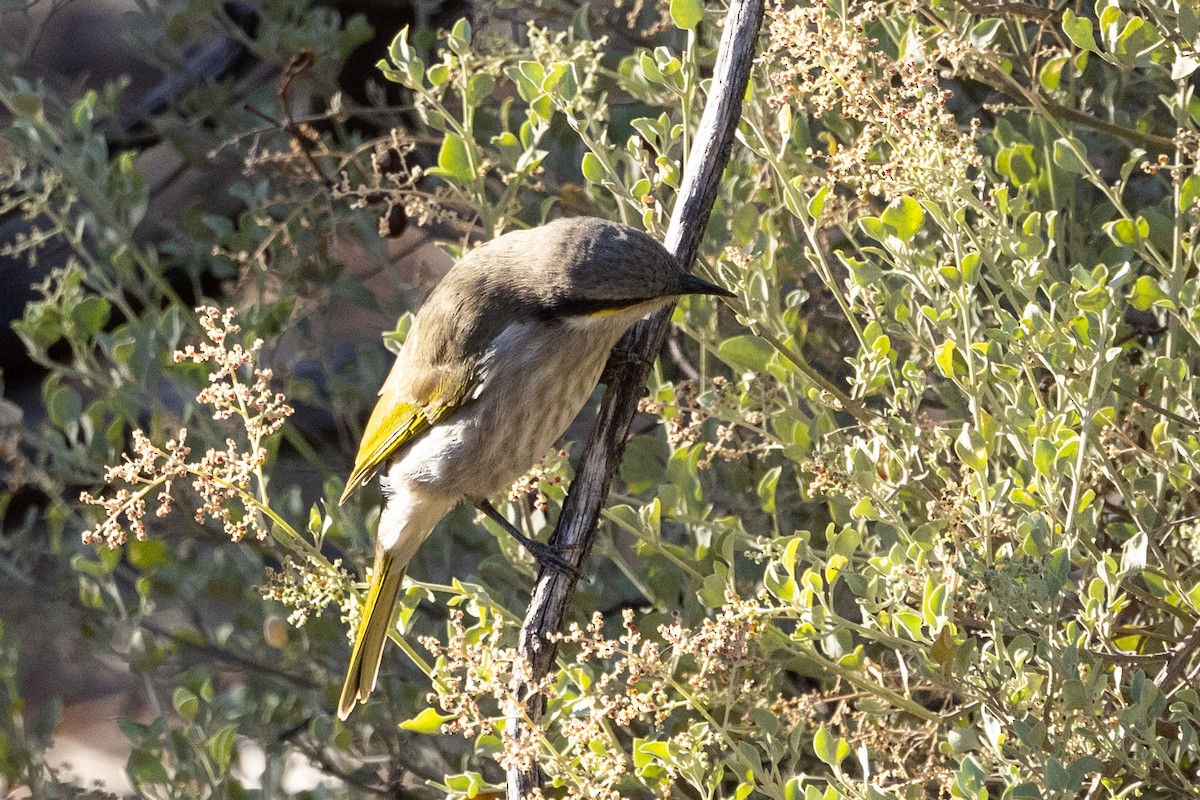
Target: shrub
(981,227)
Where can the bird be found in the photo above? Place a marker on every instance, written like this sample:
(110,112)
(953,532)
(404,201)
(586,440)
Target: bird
(498,361)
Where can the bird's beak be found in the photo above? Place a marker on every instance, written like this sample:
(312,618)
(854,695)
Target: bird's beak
(694,285)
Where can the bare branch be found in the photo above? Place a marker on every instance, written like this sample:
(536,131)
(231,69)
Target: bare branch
(577,524)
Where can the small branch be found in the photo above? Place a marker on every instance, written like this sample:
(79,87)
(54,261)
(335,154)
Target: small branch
(1151,141)
(228,656)
(1144,403)
(301,62)
(1041,100)
(576,526)
(675,348)
(1018,10)
(1178,662)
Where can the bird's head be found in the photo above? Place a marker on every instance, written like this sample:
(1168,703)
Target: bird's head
(586,268)
(596,268)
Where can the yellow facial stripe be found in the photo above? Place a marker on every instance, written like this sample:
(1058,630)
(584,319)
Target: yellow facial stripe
(608,312)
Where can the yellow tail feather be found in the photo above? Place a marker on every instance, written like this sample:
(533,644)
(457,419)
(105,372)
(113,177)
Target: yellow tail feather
(377,616)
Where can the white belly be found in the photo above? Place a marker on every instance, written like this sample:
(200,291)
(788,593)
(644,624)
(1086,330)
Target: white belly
(536,381)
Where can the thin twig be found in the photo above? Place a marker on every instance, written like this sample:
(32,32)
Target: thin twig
(576,526)
(1178,662)
(1018,10)
(1144,403)
(301,62)
(229,656)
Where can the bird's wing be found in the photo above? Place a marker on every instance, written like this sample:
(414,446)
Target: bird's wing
(404,412)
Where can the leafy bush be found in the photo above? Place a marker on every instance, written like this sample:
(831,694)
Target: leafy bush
(981,227)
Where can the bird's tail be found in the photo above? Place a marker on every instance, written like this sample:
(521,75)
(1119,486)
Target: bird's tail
(378,613)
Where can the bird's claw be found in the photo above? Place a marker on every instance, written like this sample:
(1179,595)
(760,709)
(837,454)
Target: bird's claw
(544,554)
(547,556)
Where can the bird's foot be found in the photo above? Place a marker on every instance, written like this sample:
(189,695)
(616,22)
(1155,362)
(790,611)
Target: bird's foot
(547,556)
(544,554)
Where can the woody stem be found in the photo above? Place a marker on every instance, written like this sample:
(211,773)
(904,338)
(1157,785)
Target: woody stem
(576,526)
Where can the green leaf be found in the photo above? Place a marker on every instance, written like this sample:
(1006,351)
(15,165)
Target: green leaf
(829,749)
(1082,767)
(593,168)
(82,113)
(220,746)
(438,74)
(528,75)
(984,32)
(905,217)
(1146,293)
(714,586)
(817,203)
(185,702)
(970,268)
(459,40)
(1043,456)
(864,509)
(1050,75)
(468,784)
(27,104)
(428,722)
(148,554)
(971,450)
(1020,649)
(746,351)
(1057,777)
(1079,31)
(401,53)
(686,14)
(1016,162)
(479,88)
(1127,232)
(970,779)
(1189,192)
(1071,156)
(644,462)
(933,603)
(943,354)
(554,77)
(1095,299)
(454,161)
(910,622)
(90,314)
(873,227)
(650,69)
(63,406)
(1193,597)
(766,489)
(147,768)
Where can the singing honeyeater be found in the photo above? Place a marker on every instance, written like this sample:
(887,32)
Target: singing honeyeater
(497,363)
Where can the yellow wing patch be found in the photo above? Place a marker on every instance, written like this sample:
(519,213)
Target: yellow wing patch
(394,423)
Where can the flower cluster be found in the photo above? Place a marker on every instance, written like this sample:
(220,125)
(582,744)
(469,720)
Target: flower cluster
(309,588)
(224,479)
(889,133)
(634,683)
(475,673)
(149,468)
(739,433)
(262,409)
(548,471)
